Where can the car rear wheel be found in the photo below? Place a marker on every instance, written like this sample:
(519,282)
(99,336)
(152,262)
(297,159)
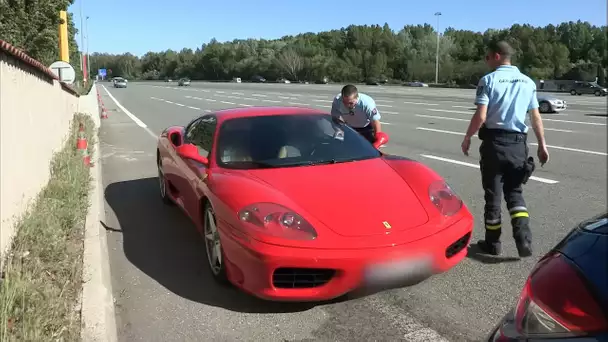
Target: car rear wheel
(213,246)
(162,182)
(572,92)
(545,107)
(598,93)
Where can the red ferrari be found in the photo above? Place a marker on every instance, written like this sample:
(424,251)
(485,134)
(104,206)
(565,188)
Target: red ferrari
(296,207)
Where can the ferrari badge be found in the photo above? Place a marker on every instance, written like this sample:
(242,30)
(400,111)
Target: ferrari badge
(386,225)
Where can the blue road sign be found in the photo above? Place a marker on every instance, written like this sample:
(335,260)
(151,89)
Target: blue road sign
(102,72)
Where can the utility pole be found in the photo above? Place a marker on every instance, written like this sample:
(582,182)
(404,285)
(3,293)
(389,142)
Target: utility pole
(82,57)
(88,61)
(437,14)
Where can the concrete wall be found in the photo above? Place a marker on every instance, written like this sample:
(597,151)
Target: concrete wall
(35,114)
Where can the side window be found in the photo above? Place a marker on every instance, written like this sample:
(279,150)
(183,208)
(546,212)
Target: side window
(202,134)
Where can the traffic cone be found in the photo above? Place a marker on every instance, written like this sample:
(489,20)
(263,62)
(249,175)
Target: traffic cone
(82,146)
(104,113)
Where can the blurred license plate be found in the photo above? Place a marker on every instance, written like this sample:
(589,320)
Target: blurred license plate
(399,271)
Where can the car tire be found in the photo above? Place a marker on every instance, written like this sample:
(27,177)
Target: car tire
(544,107)
(213,246)
(572,92)
(598,93)
(162,182)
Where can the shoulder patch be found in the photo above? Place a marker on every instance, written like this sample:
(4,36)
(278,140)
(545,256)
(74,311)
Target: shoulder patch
(479,90)
(374,111)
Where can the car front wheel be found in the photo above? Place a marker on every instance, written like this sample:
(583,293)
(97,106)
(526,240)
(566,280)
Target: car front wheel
(545,107)
(162,182)
(213,246)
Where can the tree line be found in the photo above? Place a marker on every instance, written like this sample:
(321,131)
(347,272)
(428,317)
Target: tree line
(570,50)
(358,53)
(33,26)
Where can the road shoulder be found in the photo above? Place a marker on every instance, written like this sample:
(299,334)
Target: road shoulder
(97,314)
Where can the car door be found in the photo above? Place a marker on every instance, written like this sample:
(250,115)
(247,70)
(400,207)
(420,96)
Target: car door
(201,135)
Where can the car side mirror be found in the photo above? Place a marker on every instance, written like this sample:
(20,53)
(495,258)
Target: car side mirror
(189,151)
(381,139)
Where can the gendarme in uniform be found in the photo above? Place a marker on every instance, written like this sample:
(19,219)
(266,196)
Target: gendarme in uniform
(509,95)
(360,117)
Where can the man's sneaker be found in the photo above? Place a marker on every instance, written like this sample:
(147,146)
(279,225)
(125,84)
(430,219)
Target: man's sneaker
(490,248)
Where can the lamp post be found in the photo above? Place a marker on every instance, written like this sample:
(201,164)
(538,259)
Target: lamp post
(87,53)
(437,14)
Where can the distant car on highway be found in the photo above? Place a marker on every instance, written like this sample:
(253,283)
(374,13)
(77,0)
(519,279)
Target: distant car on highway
(283,80)
(565,297)
(258,79)
(580,88)
(120,82)
(550,104)
(183,82)
(266,189)
(416,84)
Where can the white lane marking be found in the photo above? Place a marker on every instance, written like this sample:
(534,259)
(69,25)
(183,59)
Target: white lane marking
(298,104)
(323,106)
(294,94)
(285,97)
(467,107)
(452,111)
(195,108)
(458,162)
(320,100)
(438,131)
(421,103)
(206,91)
(249,99)
(220,92)
(273,101)
(381,105)
(576,122)
(530,143)
(226,102)
(245,105)
(440,117)
(168,101)
(155,98)
(385,101)
(179,104)
(573,149)
(259,95)
(238,94)
(129,114)
(385,123)
(388,112)
(211,100)
(558,130)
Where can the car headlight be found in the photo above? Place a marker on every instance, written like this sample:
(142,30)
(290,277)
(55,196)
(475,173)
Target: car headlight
(276,220)
(444,198)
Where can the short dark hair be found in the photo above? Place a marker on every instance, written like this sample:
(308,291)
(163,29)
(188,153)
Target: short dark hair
(502,48)
(349,90)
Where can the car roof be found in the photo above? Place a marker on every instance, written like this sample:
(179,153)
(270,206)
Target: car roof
(233,113)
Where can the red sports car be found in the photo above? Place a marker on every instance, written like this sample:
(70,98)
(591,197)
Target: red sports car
(297,207)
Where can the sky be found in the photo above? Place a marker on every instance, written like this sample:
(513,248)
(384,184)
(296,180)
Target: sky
(139,26)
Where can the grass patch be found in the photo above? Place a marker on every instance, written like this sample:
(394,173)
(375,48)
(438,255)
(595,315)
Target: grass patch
(40,292)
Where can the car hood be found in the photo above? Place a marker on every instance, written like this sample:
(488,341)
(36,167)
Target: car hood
(353,199)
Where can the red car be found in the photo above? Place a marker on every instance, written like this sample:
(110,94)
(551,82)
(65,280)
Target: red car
(296,207)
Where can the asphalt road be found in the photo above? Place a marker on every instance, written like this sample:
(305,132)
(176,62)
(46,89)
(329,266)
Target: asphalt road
(162,288)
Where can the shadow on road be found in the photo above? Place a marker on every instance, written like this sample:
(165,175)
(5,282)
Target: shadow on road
(475,253)
(162,242)
(597,114)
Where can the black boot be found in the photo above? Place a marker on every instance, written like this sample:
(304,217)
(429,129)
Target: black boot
(524,248)
(494,248)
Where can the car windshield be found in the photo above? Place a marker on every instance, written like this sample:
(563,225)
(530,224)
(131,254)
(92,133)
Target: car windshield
(287,141)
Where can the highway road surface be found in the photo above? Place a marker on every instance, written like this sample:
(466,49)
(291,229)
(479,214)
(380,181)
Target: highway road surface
(162,287)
